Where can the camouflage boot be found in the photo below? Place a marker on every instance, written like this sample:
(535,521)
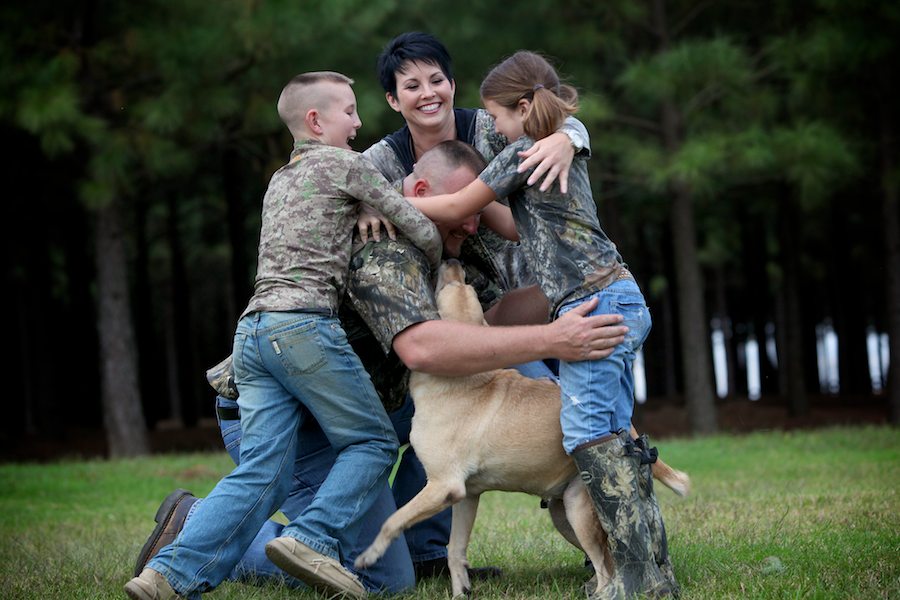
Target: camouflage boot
(653,516)
(610,471)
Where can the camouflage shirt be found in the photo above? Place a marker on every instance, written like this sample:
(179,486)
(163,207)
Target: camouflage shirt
(391,287)
(569,253)
(308,216)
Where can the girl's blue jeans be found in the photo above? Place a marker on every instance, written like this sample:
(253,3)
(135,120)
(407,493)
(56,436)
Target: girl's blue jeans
(598,395)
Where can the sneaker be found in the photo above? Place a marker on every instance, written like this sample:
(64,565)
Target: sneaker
(170,519)
(149,585)
(318,571)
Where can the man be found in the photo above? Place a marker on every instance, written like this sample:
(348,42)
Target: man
(391,291)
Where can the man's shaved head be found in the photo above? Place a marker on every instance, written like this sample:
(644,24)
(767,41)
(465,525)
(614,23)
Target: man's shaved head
(440,162)
(304,92)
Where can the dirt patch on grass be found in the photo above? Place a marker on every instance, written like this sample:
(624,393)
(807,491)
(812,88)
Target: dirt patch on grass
(667,418)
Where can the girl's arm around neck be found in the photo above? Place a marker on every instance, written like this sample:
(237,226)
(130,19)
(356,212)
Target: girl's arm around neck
(499,218)
(452,208)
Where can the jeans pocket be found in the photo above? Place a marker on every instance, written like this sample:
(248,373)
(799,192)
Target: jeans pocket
(299,348)
(637,318)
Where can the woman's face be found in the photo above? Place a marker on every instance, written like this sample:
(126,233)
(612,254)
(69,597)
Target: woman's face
(424,95)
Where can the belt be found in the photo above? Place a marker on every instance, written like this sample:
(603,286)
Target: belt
(624,274)
(228,414)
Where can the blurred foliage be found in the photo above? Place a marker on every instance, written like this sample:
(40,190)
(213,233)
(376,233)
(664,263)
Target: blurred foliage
(144,101)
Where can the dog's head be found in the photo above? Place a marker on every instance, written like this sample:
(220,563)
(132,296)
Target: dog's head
(457,301)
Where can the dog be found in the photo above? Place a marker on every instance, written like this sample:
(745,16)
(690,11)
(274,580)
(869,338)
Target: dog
(497,430)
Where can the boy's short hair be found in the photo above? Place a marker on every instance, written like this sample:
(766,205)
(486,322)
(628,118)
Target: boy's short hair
(295,98)
(410,46)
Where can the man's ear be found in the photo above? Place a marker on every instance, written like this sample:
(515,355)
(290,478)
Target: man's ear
(421,188)
(392,102)
(311,119)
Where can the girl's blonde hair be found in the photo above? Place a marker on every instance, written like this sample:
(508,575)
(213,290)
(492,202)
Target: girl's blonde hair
(529,76)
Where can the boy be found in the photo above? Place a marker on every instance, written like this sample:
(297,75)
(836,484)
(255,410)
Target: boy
(291,355)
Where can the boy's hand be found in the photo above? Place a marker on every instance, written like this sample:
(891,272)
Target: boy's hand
(371,219)
(551,158)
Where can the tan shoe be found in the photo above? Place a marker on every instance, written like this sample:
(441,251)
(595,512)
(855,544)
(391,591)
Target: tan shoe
(150,585)
(318,571)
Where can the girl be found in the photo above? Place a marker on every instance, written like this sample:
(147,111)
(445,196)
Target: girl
(574,261)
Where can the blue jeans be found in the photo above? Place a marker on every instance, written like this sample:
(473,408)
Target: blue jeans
(393,573)
(425,540)
(284,363)
(598,395)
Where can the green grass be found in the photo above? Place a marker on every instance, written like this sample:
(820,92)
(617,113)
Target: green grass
(826,503)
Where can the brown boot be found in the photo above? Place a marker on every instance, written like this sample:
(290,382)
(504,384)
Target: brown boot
(170,519)
(610,471)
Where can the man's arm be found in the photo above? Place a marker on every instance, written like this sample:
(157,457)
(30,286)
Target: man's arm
(454,349)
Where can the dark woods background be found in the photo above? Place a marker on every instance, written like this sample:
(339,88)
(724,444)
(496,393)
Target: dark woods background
(745,161)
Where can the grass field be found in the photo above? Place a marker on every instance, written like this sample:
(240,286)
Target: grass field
(825,504)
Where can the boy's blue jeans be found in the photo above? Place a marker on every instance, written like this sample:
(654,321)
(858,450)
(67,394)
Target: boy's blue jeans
(278,359)
(393,573)
(598,395)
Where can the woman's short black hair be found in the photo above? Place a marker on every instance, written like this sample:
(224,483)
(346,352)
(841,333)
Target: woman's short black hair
(410,46)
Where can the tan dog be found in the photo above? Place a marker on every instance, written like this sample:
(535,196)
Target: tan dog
(496,430)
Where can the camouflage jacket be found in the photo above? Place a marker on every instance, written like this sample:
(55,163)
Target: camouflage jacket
(567,250)
(308,217)
(391,287)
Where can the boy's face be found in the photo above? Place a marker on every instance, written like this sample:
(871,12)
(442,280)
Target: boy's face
(424,95)
(338,119)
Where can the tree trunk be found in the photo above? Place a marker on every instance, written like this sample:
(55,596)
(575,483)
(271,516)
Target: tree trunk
(695,348)
(891,220)
(694,330)
(122,415)
(850,314)
(241,284)
(735,377)
(179,358)
(790,355)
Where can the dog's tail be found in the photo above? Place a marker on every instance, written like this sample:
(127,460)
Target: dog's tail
(677,481)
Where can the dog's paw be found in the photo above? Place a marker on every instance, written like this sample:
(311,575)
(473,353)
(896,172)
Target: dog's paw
(466,592)
(367,558)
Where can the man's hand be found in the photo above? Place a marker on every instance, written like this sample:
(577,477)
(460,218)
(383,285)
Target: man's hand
(371,219)
(576,337)
(551,157)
